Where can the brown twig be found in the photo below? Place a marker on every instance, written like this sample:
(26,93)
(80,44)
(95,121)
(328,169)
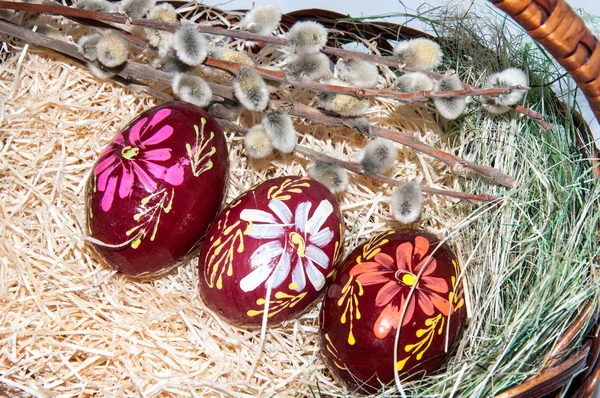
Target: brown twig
(204,28)
(357,169)
(537,117)
(555,355)
(422,96)
(534,115)
(144,72)
(454,162)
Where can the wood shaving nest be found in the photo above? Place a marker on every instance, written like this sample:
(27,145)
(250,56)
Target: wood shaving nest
(70,326)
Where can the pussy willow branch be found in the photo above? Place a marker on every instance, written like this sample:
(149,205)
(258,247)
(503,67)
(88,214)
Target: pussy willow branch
(357,169)
(422,96)
(280,76)
(144,72)
(454,162)
(173,26)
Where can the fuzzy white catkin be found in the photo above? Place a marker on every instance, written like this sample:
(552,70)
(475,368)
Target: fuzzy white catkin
(307,37)
(226,54)
(251,90)
(137,8)
(419,53)
(309,67)
(280,129)
(406,203)
(507,78)
(333,177)
(98,72)
(190,45)
(112,49)
(357,72)
(158,38)
(192,89)
(343,104)
(414,82)
(163,12)
(257,142)
(451,107)
(378,157)
(87,46)
(95,5)
(263,19)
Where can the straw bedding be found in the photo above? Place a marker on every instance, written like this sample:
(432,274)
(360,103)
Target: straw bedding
(70,326)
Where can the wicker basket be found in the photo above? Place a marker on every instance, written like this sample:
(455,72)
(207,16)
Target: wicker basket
(563,33)
(556,26)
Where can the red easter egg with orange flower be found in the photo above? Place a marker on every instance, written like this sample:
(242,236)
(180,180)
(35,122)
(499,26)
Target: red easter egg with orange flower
(402,279)
(156,188)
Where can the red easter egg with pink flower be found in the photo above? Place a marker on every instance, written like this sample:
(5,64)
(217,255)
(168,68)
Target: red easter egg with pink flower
(156,188)
(402,280)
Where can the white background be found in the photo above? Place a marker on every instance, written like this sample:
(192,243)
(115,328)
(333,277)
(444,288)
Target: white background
(373,7)
(379,7)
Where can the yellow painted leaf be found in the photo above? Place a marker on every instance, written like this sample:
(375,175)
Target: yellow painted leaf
(136,243)
(400,364)
(282,295)
(253,313)
(351,339)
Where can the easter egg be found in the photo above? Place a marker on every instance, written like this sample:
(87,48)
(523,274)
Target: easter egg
(272,250)
(400,279)
(156,188)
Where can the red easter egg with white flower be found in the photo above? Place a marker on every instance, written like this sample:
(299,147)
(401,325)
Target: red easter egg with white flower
(156,188)
(281,237)
(400,278)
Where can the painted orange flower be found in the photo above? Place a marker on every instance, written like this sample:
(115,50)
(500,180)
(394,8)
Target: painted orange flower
(398,279)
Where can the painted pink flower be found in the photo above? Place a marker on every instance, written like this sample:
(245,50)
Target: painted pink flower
(139,156)
(398,279)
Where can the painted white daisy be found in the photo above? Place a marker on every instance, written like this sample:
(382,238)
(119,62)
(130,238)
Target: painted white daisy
(300,252)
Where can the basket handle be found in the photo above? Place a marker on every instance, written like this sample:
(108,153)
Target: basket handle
(562,32)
